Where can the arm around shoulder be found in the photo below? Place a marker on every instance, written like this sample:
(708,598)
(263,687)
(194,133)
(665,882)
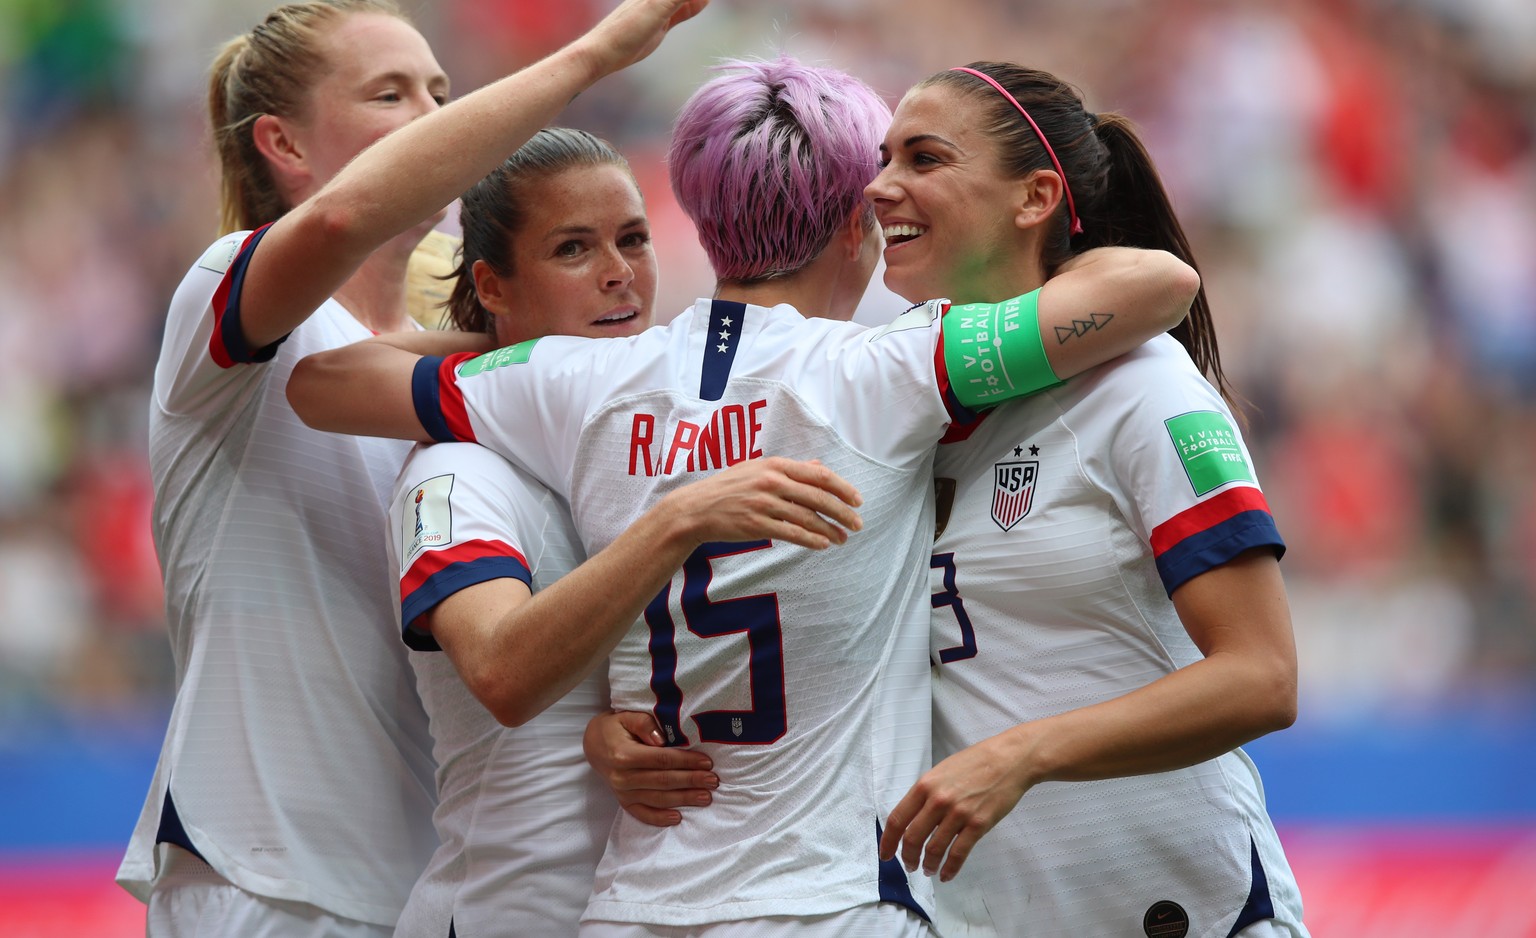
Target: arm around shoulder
(363,389)
(1107,301)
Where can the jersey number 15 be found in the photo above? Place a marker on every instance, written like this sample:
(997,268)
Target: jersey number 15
(758,616)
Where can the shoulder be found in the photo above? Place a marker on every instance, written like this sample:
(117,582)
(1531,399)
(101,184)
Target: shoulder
(467,468)
(219,255)
(207,272)
(1158,377)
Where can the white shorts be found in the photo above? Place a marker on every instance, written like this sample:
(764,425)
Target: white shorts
(882,920)
(191,900)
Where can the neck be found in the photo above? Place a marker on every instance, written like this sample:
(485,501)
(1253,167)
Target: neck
(822,290)
(375,294)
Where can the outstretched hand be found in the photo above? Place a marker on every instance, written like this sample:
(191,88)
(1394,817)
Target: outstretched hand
(952,806)
(634,30)
(788,500)
(649,780)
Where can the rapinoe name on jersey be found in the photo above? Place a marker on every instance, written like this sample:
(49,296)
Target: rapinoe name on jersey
(728,437)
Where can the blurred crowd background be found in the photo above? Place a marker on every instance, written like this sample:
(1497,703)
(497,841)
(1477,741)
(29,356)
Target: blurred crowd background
(1358,178)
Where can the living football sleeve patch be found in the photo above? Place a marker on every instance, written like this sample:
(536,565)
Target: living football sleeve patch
(426,518)
(1209,449)
(511,355)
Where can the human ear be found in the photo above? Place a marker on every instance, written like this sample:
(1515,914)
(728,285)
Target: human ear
(854,235)
(490,288)
(277,144)
(1039,194)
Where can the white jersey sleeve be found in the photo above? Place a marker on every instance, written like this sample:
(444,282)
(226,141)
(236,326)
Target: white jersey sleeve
(203,339)
(453,526)
(527,402)
(1173,458)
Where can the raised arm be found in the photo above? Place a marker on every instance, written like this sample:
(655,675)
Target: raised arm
(405,178)
(518,653)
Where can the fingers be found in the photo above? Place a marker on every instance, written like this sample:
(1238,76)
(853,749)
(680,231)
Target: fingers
(813,473)
(917,834)
(687,11)
(896,824)
(666,798)
(808,495)
(949,825)
(786,521)
(654,816)
(629,785)
(958,852)
(640,725)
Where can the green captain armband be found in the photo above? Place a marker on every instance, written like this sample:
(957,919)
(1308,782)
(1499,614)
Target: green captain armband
(994,353)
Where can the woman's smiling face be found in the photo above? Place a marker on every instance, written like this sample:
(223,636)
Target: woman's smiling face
(944,203)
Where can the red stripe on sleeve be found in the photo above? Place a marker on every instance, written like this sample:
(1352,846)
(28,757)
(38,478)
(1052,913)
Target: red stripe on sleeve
(216,347)
(1206,515)
(435,561)
(941,371)
(451,398)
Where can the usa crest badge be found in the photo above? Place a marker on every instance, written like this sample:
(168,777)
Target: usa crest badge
(1013,491)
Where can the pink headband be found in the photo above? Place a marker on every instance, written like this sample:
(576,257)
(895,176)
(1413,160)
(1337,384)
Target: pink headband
(1077,223)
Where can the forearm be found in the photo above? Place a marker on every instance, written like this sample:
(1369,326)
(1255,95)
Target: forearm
(1190,716)
(1105,302)
(436,341)
(532,655)
(362,389)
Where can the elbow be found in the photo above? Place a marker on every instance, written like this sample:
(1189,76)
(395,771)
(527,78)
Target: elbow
(1276,697)
(511,715)
(502,699)
(305,390)
(333,221)
(1181,284)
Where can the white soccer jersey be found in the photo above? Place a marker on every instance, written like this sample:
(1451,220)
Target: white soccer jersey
(297,759)
(1066,521)
(773,659)
(521,817)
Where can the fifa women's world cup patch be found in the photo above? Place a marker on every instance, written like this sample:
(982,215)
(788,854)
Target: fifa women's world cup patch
(426,520)
(1013,489)
(1209,449)
(221,254)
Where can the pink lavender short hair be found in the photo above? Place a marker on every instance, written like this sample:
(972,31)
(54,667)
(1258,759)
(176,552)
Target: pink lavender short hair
(770,158)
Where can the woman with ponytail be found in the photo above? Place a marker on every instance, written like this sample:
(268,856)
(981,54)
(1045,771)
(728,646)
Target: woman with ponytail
(294,790)
(1109,620)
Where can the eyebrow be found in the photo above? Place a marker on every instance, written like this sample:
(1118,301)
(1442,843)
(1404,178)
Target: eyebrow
(929,138)
(637,221)
(913,141)
(397,77)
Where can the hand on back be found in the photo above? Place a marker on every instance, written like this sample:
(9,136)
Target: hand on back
(788,500)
